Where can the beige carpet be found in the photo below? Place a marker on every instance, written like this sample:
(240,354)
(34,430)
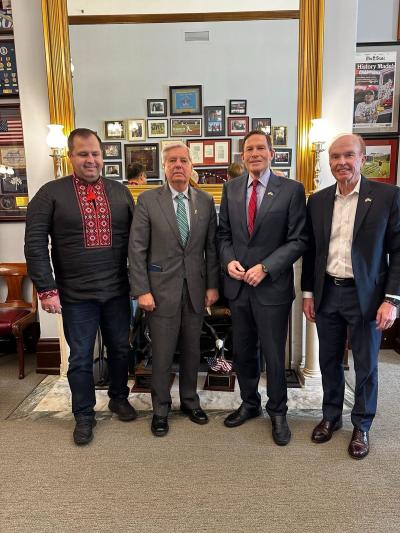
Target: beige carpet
(201,478)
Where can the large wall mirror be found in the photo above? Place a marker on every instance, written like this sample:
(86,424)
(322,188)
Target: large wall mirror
(272,60)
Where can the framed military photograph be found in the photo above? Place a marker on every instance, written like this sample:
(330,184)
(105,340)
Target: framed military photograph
(111,150)
(282,157)
(157,127)
(263,124)
(381,159)
(146,154)
(114,129)
(279,135)
(156,107)
(136,129)
(238,125)
(113,170)
(185,99)
(237,107)
(214,121)
(186,127)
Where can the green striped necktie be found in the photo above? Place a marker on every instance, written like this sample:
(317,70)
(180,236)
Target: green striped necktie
(181,218)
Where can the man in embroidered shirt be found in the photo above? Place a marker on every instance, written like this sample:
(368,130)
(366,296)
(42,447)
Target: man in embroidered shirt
(88,219)
(351,282)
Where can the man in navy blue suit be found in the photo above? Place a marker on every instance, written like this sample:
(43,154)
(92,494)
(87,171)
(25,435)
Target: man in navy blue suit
(351,281)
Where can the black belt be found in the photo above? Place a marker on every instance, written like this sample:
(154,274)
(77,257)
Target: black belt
(341,282)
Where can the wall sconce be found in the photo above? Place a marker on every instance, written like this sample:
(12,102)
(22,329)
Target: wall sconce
(57,141)
(317,136)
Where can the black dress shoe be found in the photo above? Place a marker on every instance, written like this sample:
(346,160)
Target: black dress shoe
(83,432)
(122,408)
(324,430)
(280,430)
(159,425)
(359,444)
(198,416)
(239,417)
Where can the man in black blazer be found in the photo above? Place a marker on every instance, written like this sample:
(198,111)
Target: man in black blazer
(261,234)
(351,279)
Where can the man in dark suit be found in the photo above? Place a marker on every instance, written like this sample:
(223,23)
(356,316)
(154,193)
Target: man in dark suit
(351,279)
(261,234)
(174,275)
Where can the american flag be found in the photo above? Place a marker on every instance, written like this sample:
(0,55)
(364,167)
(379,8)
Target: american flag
(10,126)
(219,365)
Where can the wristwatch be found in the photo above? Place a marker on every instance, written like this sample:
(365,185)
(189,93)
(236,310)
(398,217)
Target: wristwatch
(393,301)
(264,269)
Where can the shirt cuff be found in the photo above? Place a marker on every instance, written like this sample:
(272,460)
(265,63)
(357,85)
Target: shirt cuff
(308,294)
(392,296)
(43,295)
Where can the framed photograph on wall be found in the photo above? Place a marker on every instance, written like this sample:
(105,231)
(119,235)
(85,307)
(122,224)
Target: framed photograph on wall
(210,152)
(111,150)
(376,89)
(284,172)
(156,108)
(114,129)
(113,170)
(136,129)
(282,157)
(214,121)
(146,154)
(279,135)
(186,127)
(381,159)
(263,124)
(185,99)
(238,125)
(237,107)
(157,127)
(6,19)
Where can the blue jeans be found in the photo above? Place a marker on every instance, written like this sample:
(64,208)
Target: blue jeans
(81,322)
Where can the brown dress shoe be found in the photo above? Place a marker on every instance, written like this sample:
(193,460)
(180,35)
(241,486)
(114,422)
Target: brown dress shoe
(324,430)
(359,444)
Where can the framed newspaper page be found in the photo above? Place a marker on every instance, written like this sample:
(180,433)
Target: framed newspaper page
(376,89)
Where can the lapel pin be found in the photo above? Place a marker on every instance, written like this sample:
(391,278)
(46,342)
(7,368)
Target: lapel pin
(270,193)
(195,211)
(368,200)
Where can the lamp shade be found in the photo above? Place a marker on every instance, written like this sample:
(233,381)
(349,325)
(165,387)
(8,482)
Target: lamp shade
(55,138)
(318,131)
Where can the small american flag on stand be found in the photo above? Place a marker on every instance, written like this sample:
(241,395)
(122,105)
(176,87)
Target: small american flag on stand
(10,126)
(219,365)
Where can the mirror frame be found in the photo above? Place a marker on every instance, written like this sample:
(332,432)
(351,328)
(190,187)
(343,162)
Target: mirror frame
(310,59)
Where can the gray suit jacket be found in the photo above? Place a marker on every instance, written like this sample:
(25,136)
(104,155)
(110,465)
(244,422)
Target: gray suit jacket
(278,240)
(159,262)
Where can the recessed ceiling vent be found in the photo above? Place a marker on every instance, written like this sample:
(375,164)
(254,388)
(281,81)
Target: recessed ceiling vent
(197,35)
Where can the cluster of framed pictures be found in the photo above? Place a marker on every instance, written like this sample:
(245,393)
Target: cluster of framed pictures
(376,107)
(185,101)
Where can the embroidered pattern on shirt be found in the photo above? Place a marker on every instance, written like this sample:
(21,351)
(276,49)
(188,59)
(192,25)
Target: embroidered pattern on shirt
(96,214)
